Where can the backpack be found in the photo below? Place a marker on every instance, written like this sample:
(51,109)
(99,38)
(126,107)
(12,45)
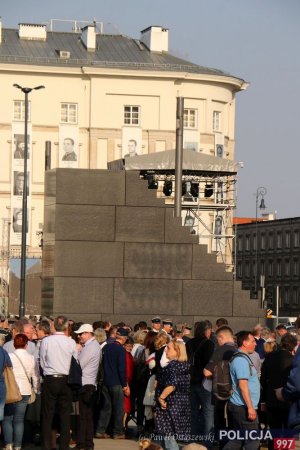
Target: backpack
(222,383)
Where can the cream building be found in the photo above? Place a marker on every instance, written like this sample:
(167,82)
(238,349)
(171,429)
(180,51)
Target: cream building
(104,96)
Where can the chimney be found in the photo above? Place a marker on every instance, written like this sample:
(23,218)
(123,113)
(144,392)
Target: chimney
(88,37)
(155,38)
(32,32)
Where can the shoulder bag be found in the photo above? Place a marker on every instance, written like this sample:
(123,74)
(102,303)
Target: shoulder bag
(13,393)
(32,397)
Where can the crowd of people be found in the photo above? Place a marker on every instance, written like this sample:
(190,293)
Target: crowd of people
(92,380)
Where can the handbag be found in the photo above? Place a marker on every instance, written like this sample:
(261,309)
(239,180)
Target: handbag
(75,375)
(33,394)
(13,393)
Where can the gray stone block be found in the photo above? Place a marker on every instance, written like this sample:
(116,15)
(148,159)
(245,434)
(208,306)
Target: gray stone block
(88,259)
(140,224)
(138,194)
(207,298)
(150,296)
(244,306)
(206,267)
(50,187)
(85,223)
(90,187)
(49,223)
(76,295)
(175,232)
(171,261)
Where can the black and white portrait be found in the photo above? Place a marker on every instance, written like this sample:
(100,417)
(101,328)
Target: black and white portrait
(17,220)
(219,151)
(132,148)
(19,149)
(69,153)
(218,226)
(19,183)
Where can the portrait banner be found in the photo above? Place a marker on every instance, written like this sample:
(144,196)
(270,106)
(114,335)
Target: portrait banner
(68,153)
(131,142)
(17,182)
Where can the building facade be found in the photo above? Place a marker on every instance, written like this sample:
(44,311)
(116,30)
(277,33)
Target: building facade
(271,249)
(105,97)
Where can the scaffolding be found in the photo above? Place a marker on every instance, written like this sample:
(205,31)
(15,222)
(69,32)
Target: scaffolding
(206,209)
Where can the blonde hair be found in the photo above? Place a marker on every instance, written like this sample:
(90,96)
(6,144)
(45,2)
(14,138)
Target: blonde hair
(180,349)
(270,347)
(100,335)
(161,339)
(139,337)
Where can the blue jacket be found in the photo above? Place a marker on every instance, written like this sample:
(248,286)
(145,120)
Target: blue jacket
(114,363)
(291,392)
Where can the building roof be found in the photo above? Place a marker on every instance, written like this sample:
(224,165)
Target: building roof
(112,51)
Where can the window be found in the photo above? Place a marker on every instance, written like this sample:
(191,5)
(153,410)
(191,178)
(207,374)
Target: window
(131,115)
(296,295)
(190,118)
(240,270)
(287,296)
(217,120)
(287,267)
(270,268)
(240,244)
(279,268)
(279,240)
(262,267)
(287,239)
(296,267)
(296,238)
(247,269)
(254,242)
(19,110)
(68,113)
(263,242)
(247,246)
(271,241)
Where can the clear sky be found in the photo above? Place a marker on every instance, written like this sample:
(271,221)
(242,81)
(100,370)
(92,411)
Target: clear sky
(257,40)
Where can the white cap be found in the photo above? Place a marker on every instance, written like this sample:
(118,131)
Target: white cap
(85,328)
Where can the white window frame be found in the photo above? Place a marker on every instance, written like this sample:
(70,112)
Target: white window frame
(190,118)
(217,121)
(66,116)
(132,115)
(19,110)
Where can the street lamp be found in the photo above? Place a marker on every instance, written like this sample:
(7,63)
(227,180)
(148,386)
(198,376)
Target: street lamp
(260,194)
(26,91)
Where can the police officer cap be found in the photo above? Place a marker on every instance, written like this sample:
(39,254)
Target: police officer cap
(168,322)
(156,319)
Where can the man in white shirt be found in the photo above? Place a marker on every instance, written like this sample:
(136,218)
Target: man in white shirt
(55,358)
(89,358)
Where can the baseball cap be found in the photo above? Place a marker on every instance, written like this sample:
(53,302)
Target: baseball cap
(122,332)
(85,328)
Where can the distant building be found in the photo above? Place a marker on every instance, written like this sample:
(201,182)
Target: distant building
(277,257)
(106,96)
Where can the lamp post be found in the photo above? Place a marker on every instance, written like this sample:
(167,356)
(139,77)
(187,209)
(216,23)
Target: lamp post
(26,91)
(260,194)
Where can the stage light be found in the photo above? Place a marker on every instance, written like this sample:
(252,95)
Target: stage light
(168,187)
(152,184)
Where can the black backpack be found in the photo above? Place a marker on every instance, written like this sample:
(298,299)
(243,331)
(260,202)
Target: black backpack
(222,384)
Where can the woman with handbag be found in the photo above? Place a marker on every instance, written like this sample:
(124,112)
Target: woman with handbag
(26,372)
(4,361)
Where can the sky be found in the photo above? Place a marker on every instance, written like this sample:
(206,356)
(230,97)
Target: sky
(257,40)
